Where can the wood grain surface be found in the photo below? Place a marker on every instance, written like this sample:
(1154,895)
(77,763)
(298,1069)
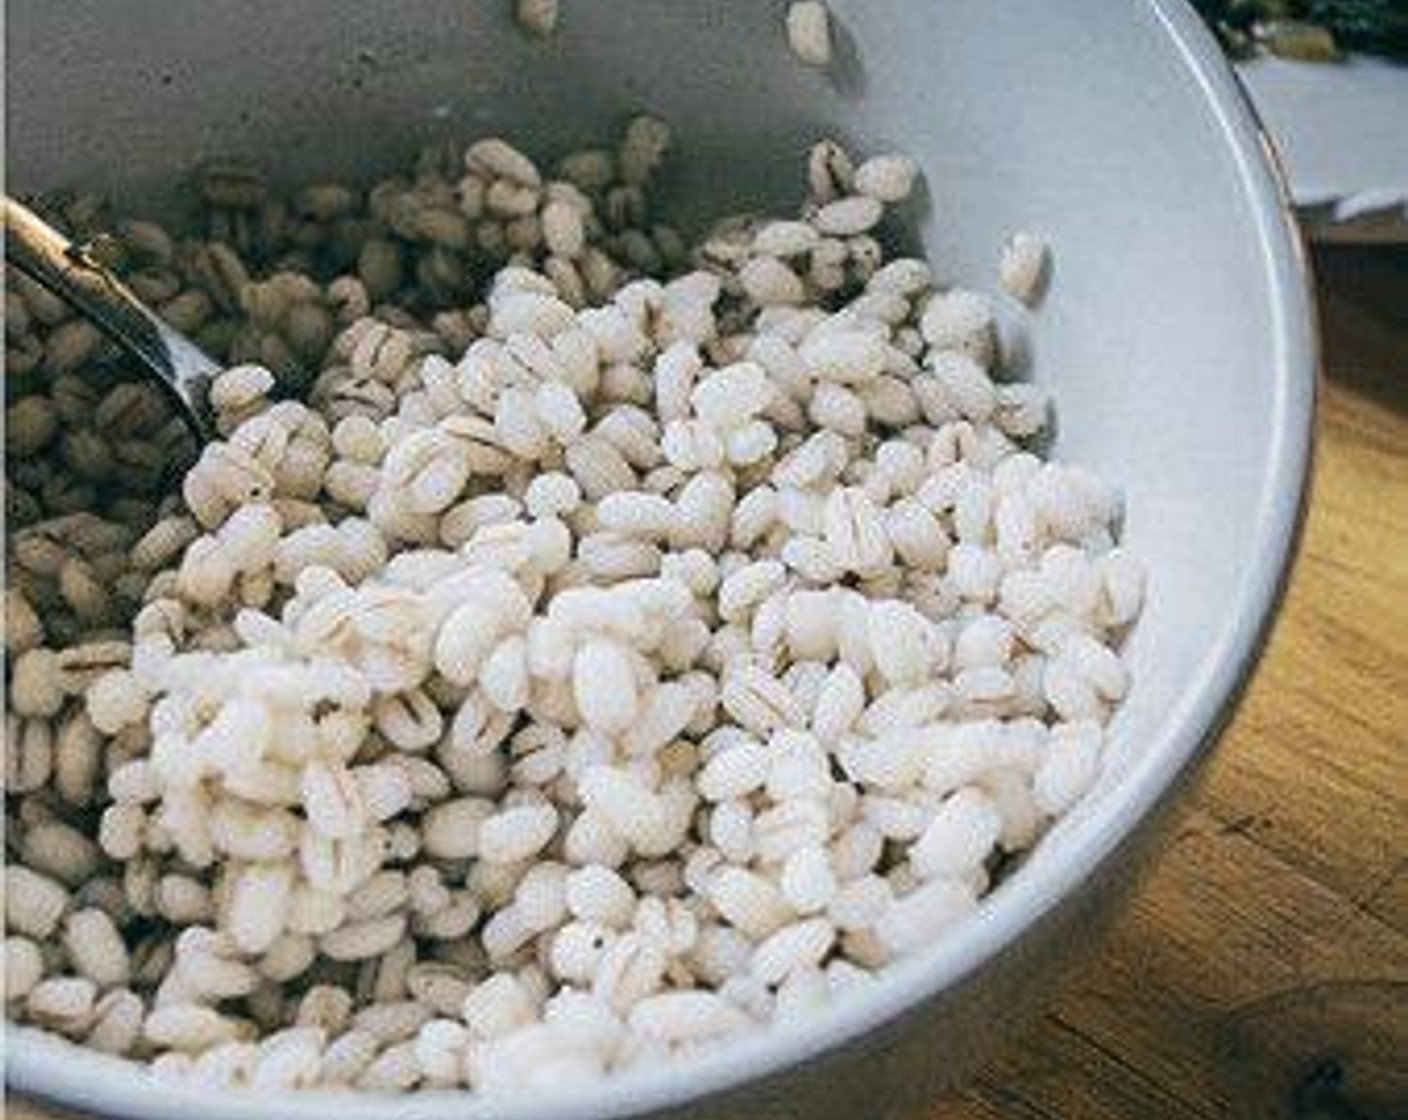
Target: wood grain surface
(1262,971)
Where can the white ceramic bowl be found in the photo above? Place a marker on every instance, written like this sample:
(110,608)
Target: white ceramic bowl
(1177,335)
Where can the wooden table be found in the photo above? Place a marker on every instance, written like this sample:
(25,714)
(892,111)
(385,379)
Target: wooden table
(1272,938)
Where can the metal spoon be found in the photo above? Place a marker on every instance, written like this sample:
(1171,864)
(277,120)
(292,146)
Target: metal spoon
(69,270)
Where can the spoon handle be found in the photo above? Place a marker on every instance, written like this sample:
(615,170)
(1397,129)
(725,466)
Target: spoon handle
(70,272)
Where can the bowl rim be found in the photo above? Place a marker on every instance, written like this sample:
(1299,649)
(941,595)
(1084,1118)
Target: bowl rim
(53,1069)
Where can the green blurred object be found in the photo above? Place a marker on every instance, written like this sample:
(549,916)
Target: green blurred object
(1308,30)
(1376,26)
(1301,42)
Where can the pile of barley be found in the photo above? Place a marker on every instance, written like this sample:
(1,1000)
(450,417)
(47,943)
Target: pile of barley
(610,648)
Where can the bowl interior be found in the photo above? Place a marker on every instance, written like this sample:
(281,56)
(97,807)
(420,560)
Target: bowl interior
(1168,333)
